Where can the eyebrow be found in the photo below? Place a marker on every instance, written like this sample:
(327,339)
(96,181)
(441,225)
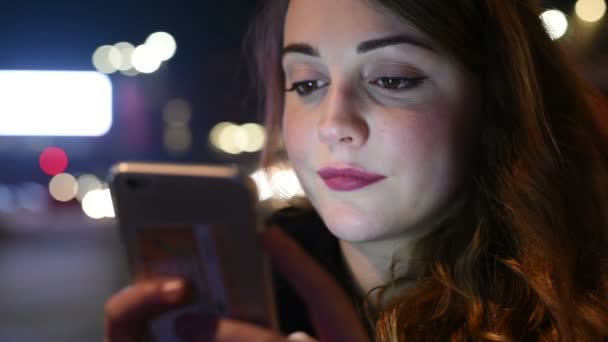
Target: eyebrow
(363,47)
(373,44)
(302,48)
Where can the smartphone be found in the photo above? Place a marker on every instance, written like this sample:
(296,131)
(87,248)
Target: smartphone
(197,222)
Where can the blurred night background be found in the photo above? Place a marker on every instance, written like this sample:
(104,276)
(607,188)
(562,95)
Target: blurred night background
(60,256)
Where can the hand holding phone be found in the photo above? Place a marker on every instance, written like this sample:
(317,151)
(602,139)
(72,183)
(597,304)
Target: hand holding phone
(195,222)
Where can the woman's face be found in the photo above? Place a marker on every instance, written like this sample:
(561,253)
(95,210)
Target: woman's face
(367,91)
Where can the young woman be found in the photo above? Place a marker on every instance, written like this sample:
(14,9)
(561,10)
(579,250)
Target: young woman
(457,161)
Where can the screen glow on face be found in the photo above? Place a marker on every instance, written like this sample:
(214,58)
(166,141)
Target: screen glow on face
(55,103)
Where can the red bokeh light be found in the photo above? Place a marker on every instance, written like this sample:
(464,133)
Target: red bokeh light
(53,161)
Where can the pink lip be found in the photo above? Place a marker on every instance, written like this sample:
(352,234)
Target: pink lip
(348,179)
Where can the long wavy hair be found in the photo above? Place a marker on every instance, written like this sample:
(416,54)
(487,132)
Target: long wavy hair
(527,256)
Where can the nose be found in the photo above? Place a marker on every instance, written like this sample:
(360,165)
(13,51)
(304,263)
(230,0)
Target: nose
(341,123)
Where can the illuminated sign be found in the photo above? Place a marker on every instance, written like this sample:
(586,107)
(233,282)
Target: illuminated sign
(55,103)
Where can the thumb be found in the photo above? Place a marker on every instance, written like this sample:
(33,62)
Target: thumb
(333,313)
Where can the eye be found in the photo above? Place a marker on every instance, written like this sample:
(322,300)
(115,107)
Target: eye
(397,83)
(305,88)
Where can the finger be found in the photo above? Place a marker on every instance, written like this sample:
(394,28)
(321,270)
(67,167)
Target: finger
(333,313)
(300,336)
(204,327)
(127,312)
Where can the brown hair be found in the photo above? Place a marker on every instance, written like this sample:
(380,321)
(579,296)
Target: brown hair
(527,257)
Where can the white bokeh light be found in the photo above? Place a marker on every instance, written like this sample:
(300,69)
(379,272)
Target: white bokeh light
(255,137)
(145,59)
(263,185)
(228,138)
(97,204)
(163,44)
(63,187)
(240,138)
(234,139)
(280,184)
(106,59)
(216,133)
(87,183)
(285,184)
(126,53)
(555,22)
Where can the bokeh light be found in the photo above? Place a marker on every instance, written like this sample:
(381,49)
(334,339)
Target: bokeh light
(177,139)
(126,53)
(97,204)
(177,112)
(282,183)
(263,185)
(239,138)
(106,58)
(590,10)
(229,138)
(216,133)
(53,161)
(163,44)
(145,59)
(255,137)
(285,184)
(63,187)
(87,183)
(555,22)
(234,139)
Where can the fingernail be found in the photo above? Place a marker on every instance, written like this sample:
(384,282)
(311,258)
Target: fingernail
(172,289)
(300,336)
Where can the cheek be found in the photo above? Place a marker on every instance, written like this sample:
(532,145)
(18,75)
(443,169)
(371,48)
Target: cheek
(407,135)
(425,144)
(298,134)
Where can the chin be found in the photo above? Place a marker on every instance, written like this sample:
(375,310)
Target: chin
(354,222)
(348,225)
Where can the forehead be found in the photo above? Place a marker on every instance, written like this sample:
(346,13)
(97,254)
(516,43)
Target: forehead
(333,23)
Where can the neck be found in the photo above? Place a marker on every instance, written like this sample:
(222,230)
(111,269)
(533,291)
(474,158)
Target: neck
(375,263)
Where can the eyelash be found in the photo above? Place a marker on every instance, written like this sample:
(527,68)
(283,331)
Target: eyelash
(404,83)
(314,84)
